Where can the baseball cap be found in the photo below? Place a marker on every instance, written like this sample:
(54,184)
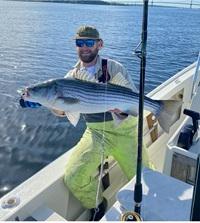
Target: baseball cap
(87,32)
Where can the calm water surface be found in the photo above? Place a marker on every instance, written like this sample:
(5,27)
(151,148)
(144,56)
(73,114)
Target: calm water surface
(36,44)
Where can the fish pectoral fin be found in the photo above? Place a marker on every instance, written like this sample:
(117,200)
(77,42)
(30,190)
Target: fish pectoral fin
(118,117)
(73,118)
(69,100)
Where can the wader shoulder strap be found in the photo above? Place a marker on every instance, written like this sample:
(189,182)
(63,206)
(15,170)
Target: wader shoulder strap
(105,77)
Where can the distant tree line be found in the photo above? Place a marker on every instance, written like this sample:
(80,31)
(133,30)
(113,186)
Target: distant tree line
(96,2)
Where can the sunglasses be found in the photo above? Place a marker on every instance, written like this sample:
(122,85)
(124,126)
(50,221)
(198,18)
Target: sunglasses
(87,42)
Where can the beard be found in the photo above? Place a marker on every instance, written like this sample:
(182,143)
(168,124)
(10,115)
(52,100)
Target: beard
(89,57)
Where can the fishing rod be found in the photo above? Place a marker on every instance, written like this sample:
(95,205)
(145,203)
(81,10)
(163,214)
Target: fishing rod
(130,215)
(142,55)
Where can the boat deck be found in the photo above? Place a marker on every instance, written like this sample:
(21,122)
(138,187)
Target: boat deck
(164,199)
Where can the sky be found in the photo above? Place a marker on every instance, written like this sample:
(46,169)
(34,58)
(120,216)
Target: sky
(180,3)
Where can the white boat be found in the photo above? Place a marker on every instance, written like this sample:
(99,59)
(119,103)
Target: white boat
(167,190)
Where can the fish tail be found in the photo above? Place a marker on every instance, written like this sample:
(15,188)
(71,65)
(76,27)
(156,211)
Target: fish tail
(169,114)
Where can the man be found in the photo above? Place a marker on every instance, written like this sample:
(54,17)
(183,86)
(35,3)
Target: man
(100,138)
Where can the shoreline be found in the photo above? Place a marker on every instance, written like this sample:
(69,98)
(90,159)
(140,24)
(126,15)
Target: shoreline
(91,2)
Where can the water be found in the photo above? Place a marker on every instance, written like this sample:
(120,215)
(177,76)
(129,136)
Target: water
(36,44)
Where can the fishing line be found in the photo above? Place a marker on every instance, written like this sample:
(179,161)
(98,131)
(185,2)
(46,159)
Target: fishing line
(102,152)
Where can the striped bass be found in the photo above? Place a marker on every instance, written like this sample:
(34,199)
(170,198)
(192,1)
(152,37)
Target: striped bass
(76,97)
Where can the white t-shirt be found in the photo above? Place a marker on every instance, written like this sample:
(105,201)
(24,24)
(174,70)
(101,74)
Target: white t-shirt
(91,70)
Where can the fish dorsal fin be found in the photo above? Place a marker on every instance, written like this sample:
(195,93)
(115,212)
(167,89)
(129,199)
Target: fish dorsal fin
(73,117)
(68,100)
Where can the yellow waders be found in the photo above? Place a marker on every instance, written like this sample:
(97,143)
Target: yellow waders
(119,142)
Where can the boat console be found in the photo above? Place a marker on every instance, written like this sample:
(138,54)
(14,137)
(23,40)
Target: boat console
(183,149)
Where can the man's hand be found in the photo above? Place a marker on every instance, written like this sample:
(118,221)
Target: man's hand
(58,113)
(116,110)
(120,114)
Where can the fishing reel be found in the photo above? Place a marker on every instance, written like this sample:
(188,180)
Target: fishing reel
(131,216)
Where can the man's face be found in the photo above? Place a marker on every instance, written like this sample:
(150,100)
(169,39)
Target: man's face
(88,49)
